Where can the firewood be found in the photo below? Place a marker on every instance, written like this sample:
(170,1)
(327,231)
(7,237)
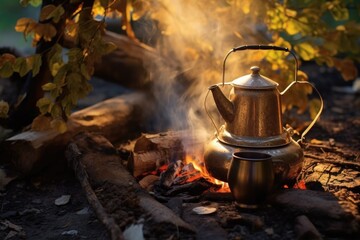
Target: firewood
(118,119)
(140,163)
(153,150)
(167,177)
(102,164)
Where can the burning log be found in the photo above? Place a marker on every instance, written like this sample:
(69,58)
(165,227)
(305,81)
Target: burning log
(102,164)
(117,119)
(154,150)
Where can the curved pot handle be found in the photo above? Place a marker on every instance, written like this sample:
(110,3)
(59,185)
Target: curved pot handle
(261,47)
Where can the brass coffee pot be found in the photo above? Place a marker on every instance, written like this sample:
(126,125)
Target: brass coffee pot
(253,121)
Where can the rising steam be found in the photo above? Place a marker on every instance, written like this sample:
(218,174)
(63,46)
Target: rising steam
(195,37)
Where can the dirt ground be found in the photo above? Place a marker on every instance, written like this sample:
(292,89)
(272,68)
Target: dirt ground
(29,207)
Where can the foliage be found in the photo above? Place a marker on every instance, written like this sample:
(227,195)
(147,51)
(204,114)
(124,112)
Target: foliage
(322,31)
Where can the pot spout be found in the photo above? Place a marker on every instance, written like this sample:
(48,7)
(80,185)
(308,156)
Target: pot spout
(223,104)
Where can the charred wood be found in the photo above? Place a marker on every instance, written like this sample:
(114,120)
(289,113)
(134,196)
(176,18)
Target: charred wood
(151,151)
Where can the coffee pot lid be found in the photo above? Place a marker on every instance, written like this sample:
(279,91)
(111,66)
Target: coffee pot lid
(254,80)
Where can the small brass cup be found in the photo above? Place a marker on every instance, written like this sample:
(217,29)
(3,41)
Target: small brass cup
(250,178)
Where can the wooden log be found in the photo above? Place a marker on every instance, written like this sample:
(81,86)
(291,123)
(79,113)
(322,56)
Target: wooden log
(151,151)
(102,164)
(136,64)
(117,119)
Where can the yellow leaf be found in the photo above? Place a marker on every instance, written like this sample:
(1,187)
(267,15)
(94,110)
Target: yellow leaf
(48,86)
(140,8)
(46,30)
(23,25)
(290,12)
(44,104)
(306,51)
(302,76)
(35,3)
(59,125)
(292,27)
(4,109)
(41,123)
(314,106)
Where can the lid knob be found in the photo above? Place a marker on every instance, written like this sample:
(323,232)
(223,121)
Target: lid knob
(255,70)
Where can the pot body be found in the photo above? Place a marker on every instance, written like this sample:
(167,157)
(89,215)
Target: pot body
(287,160)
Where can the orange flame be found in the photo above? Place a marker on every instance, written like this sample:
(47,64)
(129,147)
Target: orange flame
(199,166)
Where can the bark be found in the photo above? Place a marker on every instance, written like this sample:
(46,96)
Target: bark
(118,119)
(102,164)
(73,154)
(151,151)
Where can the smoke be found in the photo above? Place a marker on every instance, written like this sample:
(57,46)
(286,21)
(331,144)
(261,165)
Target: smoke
(195,37)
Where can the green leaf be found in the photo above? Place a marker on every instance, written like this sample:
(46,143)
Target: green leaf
(339,13)
(49,86)
(51,12)
(35,3)
(75,54)
(44,104)
(37,61)
(6,70)
(85,72)
(22,66)
(55,59)
(56,111)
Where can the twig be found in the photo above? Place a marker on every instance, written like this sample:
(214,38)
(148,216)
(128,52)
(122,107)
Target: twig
(73,155)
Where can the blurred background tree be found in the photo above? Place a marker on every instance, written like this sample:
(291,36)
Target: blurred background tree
(194,34)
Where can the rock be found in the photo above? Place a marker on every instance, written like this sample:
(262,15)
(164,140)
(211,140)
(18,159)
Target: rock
(83,211)
(63,200)
(70,233)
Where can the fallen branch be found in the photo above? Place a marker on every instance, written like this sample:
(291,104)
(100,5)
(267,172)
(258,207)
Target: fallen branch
(102,164)
(73,154)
